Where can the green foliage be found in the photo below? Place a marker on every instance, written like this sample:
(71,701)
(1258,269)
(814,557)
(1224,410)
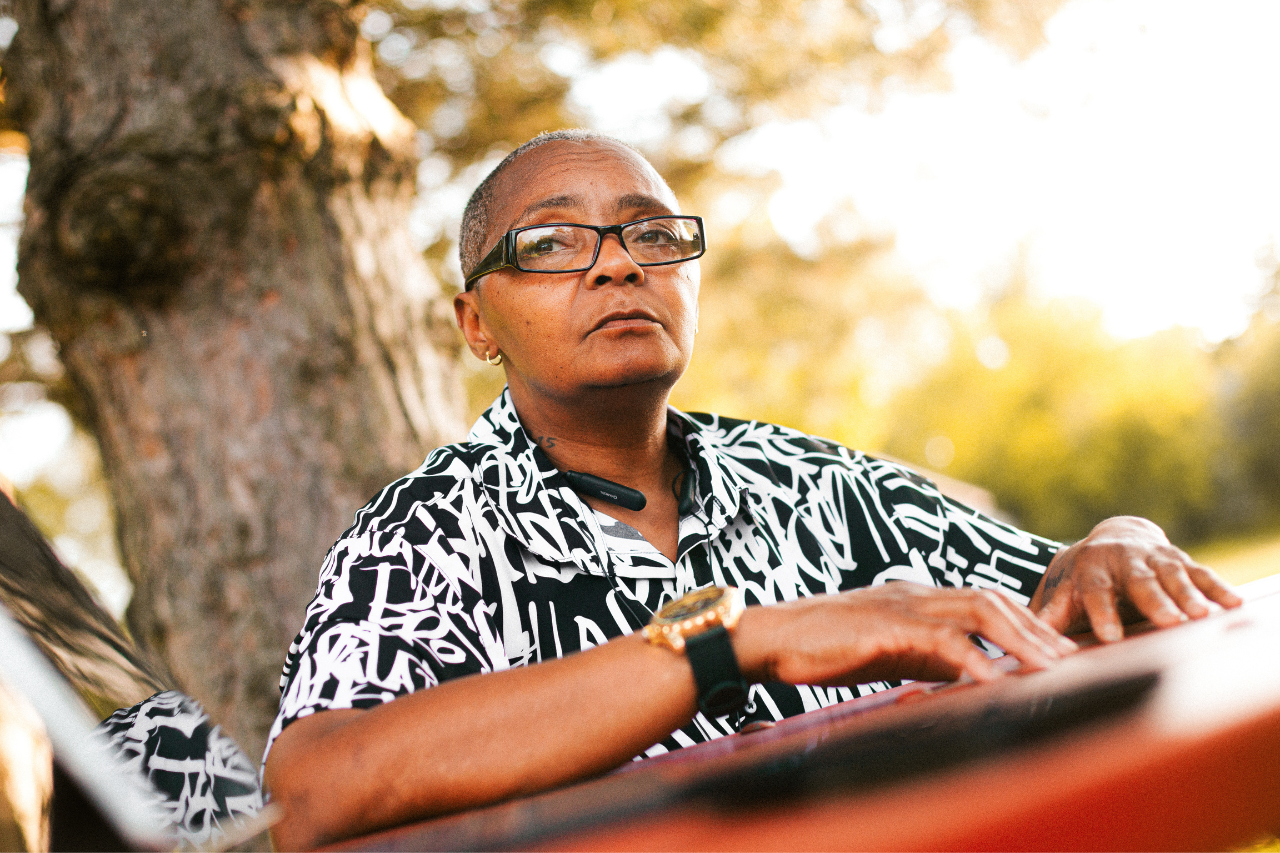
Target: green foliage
(1251,390)
(1066,426)
(800,341)
(71,506)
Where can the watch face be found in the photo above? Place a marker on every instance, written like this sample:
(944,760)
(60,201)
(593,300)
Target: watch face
(692,604)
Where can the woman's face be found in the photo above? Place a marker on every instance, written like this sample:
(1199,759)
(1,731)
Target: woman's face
(617,324)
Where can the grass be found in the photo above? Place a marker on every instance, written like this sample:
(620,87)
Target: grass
(1242,559)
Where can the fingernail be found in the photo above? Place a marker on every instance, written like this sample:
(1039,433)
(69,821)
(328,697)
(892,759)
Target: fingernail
(1067,645)
(1110,633)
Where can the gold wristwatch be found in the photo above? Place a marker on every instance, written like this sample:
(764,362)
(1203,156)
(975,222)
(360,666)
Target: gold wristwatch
(699,624)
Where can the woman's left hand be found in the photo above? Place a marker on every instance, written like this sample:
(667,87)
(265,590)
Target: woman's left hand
(1126,564)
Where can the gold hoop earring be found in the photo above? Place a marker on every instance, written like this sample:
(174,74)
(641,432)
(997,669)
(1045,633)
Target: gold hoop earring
(495,361)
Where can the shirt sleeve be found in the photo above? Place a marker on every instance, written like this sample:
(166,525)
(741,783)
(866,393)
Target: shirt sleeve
(204,782)
(950,544)
(398,609)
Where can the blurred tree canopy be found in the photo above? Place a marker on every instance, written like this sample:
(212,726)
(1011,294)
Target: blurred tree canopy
(1249,394)
(1066,425)
(479,76)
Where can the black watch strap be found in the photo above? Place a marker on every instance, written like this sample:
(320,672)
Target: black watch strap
(721,687)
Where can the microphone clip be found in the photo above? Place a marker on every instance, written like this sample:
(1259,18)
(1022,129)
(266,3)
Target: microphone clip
(606,490)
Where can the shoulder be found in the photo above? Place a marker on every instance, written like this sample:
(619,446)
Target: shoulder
(808,466)
(753,442)
(444,484)
(735,434)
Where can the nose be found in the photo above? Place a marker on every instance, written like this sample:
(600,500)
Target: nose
(614,264)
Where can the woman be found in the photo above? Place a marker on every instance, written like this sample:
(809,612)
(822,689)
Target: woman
(497,558)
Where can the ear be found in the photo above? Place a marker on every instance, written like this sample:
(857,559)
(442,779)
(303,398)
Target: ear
(466,307)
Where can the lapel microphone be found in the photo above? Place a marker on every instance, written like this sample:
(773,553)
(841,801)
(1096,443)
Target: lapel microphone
(606,490)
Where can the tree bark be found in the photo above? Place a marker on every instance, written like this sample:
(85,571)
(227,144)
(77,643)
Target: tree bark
(217,237)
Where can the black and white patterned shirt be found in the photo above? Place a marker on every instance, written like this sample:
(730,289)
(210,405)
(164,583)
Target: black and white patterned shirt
(205,786)
(484,558)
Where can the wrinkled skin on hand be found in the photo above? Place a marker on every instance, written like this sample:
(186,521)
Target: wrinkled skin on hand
(898,630)
(1126,570)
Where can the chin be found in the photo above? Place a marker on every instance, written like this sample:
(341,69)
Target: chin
(636,380)
(638,374)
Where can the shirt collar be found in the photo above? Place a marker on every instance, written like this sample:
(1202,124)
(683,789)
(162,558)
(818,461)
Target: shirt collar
(530,497)
(535,505)
(717,486)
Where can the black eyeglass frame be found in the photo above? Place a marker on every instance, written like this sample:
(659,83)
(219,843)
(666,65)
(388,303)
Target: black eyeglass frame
(503,254)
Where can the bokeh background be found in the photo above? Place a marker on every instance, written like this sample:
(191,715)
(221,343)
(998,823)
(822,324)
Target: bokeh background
(1031,246)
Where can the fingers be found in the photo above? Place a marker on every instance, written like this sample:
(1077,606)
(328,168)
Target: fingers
(1145,589)
(967,658)
(1028,626)
(1123,564)
(1168,587)
(1185,596)
(1059,613)
(1191,585)
(1162,593)
(1099,602)
(1213,586)
(1012,627)
(899,630)
(942,620)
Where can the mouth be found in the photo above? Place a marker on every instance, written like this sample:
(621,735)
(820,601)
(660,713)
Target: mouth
(621,320)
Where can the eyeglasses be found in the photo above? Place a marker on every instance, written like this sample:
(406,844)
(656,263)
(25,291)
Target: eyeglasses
(567,247)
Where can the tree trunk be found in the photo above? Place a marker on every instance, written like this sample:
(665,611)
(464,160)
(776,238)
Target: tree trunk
(217,237)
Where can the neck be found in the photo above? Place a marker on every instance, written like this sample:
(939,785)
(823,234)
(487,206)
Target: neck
(619,434)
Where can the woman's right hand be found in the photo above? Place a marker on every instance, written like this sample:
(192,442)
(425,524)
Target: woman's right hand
(894,631)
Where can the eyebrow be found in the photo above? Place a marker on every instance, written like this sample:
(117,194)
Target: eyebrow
(553,201)
(641,202)
(631,201)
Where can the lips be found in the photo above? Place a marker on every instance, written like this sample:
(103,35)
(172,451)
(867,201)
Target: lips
(634,318)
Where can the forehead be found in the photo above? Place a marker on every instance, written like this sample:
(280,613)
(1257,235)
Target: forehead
(595,179)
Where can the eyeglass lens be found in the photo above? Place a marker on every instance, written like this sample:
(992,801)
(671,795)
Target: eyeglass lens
(662,240)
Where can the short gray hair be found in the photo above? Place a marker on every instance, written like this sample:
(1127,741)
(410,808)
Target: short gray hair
(475,217)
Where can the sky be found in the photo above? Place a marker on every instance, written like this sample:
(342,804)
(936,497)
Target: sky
(1131,160)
